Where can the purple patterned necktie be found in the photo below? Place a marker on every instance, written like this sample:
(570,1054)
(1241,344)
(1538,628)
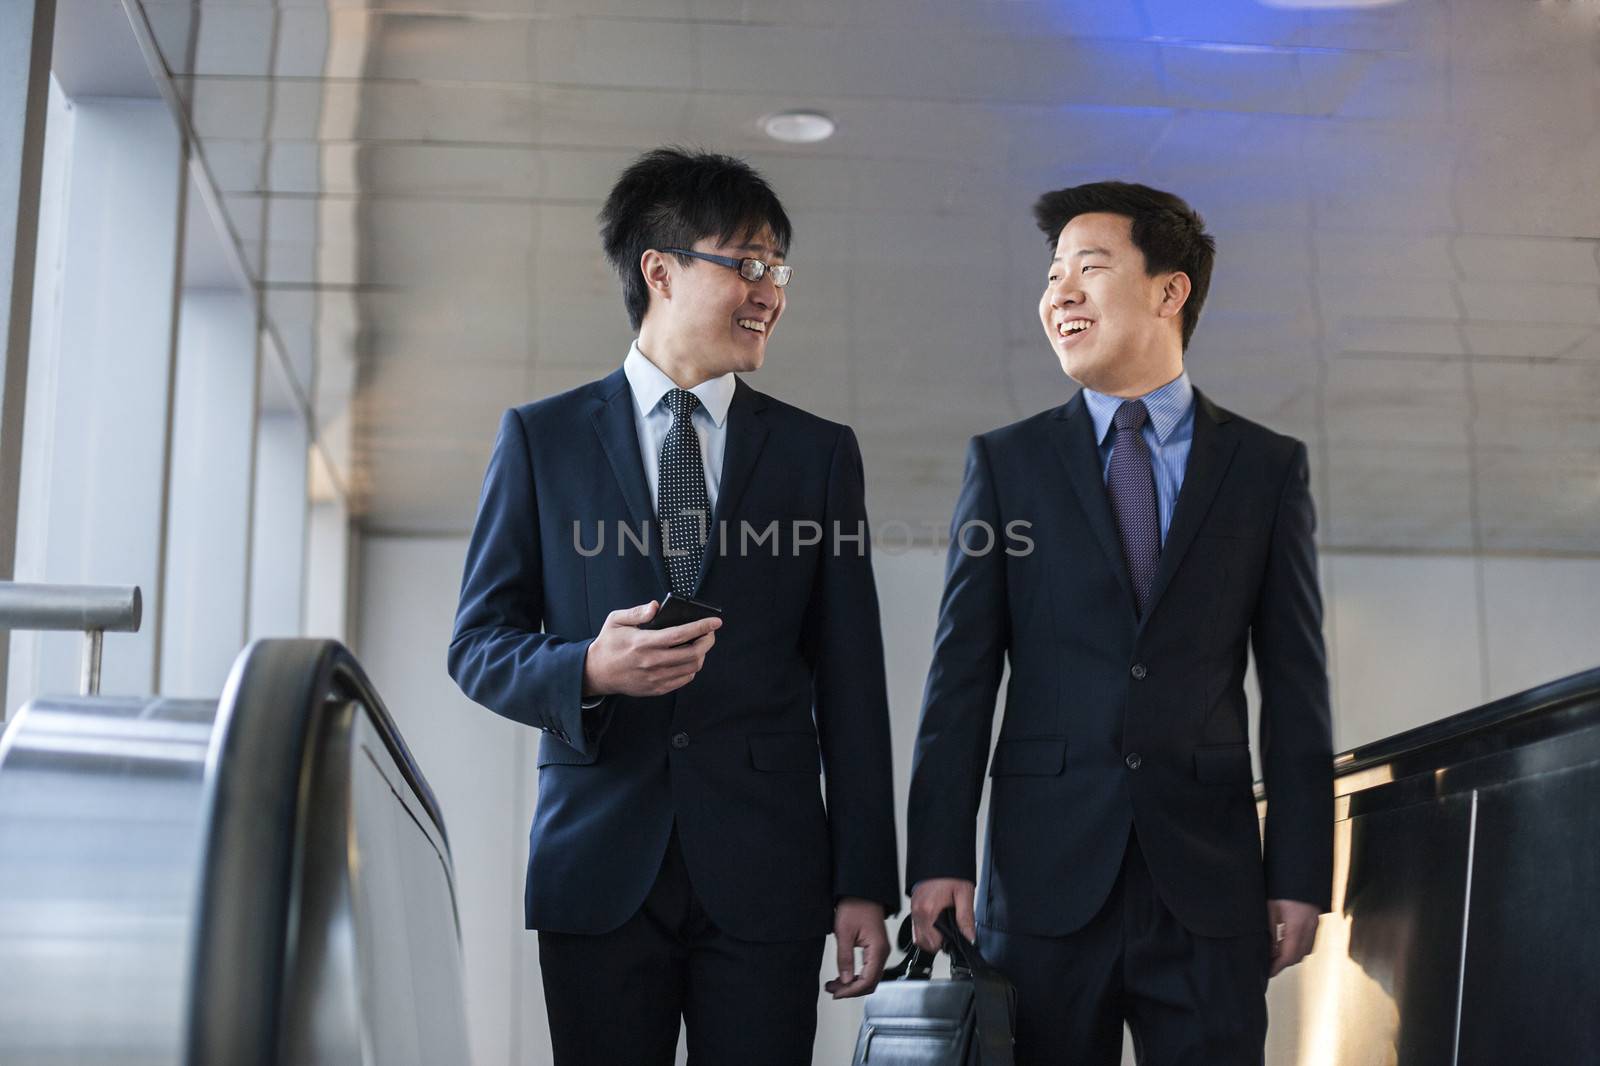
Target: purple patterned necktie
(1132,486)
(682,504)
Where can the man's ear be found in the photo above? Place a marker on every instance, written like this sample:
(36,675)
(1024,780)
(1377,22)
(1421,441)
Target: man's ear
(657,273)
(1174,294)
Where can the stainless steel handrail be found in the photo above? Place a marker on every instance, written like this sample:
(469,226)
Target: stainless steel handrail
(93,610)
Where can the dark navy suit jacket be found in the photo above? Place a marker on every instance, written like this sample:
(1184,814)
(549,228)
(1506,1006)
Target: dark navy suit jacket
(1114,722)
(793,686)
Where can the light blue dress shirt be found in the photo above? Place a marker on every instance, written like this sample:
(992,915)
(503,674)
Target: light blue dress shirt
(1169,431)
(652,419)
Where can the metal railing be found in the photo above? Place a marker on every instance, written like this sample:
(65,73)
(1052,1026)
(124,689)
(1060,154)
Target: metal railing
(254,880)
(93,610)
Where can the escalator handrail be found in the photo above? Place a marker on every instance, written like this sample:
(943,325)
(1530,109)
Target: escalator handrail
(256,782)
(1480,727)
(1555,707)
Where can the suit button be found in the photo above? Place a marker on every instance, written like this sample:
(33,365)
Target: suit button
(1139,672)
(680,740)
(1134,760)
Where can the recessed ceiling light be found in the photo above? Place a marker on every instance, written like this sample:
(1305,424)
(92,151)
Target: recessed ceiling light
(798,127)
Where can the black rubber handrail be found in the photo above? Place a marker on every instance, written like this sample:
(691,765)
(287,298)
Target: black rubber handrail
(1480,726)
(1557,707)
(257,780)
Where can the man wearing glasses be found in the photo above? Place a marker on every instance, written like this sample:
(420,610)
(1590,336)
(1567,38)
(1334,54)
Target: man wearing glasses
(683,866)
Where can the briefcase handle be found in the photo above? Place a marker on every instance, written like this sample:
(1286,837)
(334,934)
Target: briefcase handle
(992,993)
(993,996)
(915,964)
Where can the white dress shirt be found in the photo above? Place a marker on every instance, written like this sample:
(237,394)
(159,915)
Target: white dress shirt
(652,419)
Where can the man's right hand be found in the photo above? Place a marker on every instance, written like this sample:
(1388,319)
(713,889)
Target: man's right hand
(629,661)
(931,898)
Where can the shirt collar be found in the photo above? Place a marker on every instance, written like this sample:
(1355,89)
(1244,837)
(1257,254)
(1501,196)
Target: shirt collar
(1166,405)
(650,383)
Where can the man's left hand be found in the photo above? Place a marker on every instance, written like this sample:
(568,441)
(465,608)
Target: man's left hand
(1293,926)
(858,923)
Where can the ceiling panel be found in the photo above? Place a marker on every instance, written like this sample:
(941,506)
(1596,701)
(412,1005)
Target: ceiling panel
(1409,240)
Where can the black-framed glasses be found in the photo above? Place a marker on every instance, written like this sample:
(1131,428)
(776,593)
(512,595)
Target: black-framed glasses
(749,269)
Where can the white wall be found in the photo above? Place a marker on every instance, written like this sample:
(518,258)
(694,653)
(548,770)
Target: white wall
(1416,638)
(1404,639)
(1543,619)
(480,768)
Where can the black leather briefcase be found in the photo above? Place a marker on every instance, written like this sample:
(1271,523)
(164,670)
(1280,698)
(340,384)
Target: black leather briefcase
(913,1020)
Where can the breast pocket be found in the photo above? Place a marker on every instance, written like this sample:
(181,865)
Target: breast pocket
(770,562)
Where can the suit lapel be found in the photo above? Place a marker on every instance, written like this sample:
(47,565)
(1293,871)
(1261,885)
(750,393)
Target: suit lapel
(1072,430)
(613,422)
(1209,454)
(747,433)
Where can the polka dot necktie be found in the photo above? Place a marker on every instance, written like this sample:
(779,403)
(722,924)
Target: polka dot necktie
(1132,486)
(681,502)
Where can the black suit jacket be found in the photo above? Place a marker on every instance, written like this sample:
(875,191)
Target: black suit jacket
(794,685)
(1112,721)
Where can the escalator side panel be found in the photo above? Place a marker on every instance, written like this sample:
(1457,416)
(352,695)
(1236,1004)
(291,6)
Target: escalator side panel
(1380,987)
(410,967)
(99,841)
(1533,944)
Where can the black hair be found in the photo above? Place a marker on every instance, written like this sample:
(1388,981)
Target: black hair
(671,197)
(1169,232)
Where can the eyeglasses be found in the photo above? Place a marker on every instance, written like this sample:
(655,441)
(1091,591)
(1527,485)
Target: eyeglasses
(749,269)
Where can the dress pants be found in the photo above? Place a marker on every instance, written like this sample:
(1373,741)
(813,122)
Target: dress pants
(616,999)
(1188,1000)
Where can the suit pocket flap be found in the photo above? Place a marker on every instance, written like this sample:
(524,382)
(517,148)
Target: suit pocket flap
(792,753)
(554,750)
(1035,756)
(1222,764)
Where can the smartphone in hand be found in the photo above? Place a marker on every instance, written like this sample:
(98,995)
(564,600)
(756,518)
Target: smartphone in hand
(678,610)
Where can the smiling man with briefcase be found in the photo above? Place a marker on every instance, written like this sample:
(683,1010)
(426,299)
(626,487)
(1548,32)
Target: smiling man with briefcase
(1124,876)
